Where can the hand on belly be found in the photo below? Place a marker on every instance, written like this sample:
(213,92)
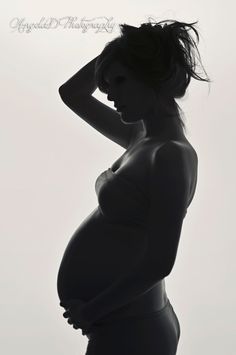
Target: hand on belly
(73,308)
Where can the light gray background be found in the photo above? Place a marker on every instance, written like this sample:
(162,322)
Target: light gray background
(50,159)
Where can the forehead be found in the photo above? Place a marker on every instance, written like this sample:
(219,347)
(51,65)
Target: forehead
(113,69)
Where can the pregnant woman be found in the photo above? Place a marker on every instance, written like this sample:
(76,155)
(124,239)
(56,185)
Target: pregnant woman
(111,280)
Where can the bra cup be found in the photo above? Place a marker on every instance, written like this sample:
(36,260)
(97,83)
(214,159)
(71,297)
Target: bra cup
(120,200)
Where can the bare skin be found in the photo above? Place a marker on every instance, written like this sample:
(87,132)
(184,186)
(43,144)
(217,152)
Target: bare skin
(158,125)
(142,103)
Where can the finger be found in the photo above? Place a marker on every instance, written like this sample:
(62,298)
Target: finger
(70,321)
(75,326)
(66,314)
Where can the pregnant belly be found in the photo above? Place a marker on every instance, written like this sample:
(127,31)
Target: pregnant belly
(98,253)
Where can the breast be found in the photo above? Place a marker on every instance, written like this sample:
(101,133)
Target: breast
(121,200)
(98,252)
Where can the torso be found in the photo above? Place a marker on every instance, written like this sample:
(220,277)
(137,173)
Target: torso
(99,251)
(135,163)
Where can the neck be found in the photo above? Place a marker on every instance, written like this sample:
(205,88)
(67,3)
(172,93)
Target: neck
(163,127)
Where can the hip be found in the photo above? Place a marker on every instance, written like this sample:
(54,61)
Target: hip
(152,332)
(151,302)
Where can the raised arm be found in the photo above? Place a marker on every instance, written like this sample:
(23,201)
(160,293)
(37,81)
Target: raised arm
(77,92)
(82,82)
(169,191)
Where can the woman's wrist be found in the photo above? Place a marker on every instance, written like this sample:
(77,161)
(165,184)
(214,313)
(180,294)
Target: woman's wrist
(82,82)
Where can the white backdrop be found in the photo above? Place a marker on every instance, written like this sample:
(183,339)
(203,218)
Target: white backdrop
(49,163)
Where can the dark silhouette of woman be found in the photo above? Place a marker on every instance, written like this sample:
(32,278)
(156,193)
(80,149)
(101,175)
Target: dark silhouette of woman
(111,279)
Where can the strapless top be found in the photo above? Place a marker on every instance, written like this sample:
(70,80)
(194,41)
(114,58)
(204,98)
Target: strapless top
(120,200)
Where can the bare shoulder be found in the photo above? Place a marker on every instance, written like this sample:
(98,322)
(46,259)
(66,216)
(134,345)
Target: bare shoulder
(177,159)
(174,151)
(167,155)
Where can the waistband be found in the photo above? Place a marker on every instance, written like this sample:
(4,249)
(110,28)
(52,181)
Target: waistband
(153,300)
(152,303)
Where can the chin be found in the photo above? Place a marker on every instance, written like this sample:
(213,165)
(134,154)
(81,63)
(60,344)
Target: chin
(125,118)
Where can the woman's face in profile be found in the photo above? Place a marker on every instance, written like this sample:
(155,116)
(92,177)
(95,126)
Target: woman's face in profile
(124,89)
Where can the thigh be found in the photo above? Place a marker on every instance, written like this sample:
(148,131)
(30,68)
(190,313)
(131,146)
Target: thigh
(151,334)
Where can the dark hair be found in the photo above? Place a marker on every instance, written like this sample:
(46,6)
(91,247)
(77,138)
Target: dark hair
(162,57)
